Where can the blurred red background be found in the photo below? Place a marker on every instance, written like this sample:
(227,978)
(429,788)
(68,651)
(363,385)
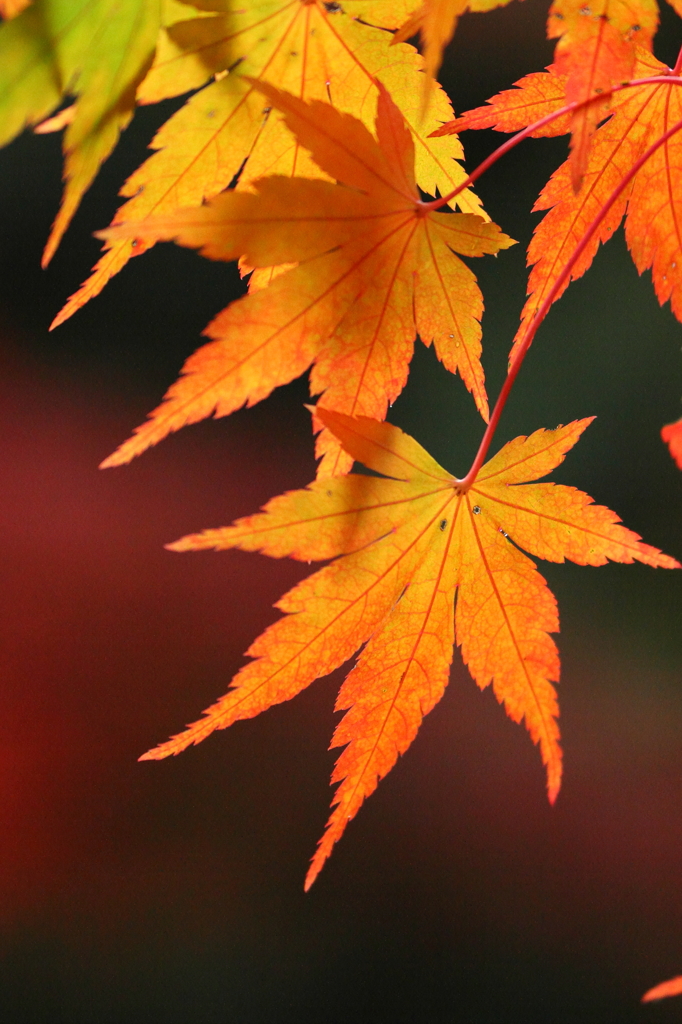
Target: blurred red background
(173,891)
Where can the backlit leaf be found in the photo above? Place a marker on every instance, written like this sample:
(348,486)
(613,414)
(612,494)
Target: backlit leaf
(95,50)
(405,544)
(596,49)
(652,202)
(532,98)
(225,129)
(376,266)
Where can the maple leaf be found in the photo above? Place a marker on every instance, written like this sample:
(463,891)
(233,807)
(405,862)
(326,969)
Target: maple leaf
(312,49)
(651,201)
(672,435)
(436,21)
(376,266)
(532,98)
(407,541)
(97,50)
(673,987)
(596,49)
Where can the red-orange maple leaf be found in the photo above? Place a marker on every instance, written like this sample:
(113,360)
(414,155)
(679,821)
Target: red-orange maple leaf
(596,49)
(532,98)
(408,542)
(376,266)
(652,200)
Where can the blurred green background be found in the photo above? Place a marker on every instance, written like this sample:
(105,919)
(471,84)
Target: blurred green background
(171,891)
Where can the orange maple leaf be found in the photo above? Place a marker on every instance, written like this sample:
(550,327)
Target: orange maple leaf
(312,49)
(376,265)
(596,49)
(672,435)
(673,987)
(651,201)
(409,540)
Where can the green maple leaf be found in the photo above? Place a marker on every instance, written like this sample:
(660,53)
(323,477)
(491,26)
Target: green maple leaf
(95,50)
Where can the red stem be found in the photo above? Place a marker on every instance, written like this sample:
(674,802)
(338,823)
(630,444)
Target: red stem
(465,483)
(678,63)
(670,79)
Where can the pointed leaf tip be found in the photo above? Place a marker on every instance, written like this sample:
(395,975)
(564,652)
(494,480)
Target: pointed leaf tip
(673,987)
(672,435)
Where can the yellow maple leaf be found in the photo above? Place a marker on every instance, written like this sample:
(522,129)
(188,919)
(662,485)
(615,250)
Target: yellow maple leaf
(314,50)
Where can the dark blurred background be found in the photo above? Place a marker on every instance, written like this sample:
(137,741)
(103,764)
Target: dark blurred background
(170,891)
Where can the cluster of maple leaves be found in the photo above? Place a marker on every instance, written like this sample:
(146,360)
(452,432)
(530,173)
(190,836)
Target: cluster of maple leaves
(311,135)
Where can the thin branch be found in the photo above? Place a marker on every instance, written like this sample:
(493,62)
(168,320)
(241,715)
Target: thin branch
(670,79)
(465,483)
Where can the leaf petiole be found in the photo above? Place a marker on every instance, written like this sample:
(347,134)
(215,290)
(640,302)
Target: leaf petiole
(672,79)
(678,63)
